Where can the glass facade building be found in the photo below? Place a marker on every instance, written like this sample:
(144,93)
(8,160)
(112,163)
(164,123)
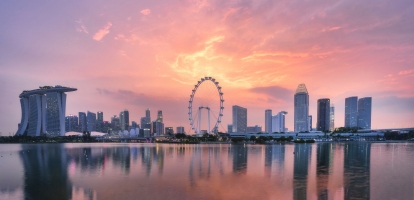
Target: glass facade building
(323,121)
(364,112)
(351,112)
(268,121)
(239,119)
(301,109)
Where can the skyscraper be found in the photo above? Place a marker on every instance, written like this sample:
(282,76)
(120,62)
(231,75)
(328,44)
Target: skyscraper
(71,123)
(268,121)
(43,111)
(239,119)
(278,122)
(82,122)
(169,131)
(91,121)
(159,116)
(332,118)
(310,122)
(99,122)
(351,112)
(301,109)
(124,120)
(322,122)
(148,114)
(364,112)
(115,124)
(229,128)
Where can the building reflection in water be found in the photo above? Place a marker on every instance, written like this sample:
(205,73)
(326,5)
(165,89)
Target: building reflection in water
(239,153)
(357,170)
(300,170)
(47,167)
(323,162)
(45,172)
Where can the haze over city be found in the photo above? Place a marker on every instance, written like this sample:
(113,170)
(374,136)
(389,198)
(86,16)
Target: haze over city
(138,55)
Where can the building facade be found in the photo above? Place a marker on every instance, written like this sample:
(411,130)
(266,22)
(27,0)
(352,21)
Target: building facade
(99,121)
(91,121)
(82,122)
(301,109)
(351,112)
(180,129)
(229,128)
(278,122)
(364,112)
(43,111)
(71,123)
(332,118)
(254,129)
(323,110)
(239,116)
(268,121)
(310,122)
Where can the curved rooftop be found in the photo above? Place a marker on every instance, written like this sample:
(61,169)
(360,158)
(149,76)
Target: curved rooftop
(46,89)
(301,89)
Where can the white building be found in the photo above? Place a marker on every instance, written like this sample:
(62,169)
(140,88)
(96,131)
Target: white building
(278,122)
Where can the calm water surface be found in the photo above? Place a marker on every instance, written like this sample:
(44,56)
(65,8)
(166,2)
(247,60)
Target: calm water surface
(356,170)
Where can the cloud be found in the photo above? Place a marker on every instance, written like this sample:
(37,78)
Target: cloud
(82,27)
(101,33)
(405,72)
(146,11)
(275,91)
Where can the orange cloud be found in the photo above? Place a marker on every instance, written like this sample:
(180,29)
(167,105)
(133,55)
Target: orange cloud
(101,33)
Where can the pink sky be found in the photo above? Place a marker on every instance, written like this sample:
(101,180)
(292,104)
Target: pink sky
(137,55)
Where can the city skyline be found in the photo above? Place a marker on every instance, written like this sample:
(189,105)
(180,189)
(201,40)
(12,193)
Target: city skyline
(139,55)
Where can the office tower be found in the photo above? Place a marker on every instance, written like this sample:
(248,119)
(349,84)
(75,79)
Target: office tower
(106,127)
(124,120)
(115,124)
(254,129)
(268,121)
(301,109)
(322,122)
(43,111)
(148,114)
(99,121)
(351,112)
(169,131)
(134,125)
(239,119)
(71,123)
(82,122)
(310,122)
(332,118)
(230,128)
(158,128)
(364,112)
(278,122)
(180,129)
(91,121)
(159,116)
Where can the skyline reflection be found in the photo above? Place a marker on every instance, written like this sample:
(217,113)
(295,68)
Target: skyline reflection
(95,171)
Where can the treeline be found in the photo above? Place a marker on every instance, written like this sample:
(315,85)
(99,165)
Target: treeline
(86,137)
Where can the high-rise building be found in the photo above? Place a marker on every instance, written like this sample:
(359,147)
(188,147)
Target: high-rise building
(268,121)
(115,124)
(124,120)
(254,129)
(301,109)
(106,127)
(91,121)
(148,114)
(82,122)
(159,116)
(239,119)
(134,125)
(169,131)
(71,123)
(99,121)
(278,122)
(323,122)
(180,129)
(144,122)
(43,111)
(230,128)
(351,112)
(332,118)
(158,128)
(364,112)
(310,122)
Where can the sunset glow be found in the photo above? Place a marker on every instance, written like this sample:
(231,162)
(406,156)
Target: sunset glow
(149,54)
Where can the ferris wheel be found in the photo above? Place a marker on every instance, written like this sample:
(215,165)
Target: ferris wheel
(206,97)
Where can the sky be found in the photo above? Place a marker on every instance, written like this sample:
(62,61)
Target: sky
(149,54)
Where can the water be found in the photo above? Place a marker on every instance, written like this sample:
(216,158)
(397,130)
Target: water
(354,170)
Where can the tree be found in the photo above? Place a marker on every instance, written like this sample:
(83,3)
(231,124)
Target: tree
(253,138)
